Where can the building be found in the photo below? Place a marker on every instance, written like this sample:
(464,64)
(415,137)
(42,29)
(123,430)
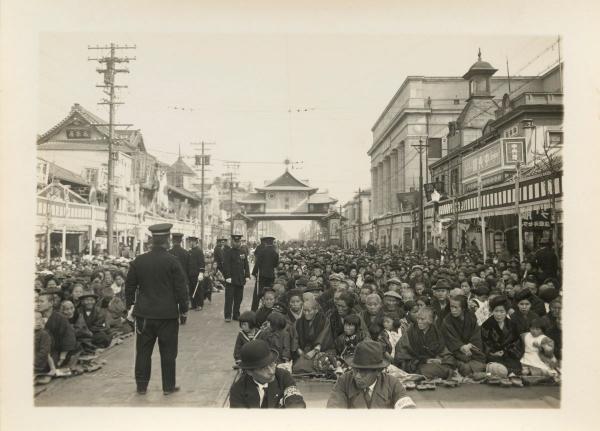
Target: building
(420,114)
(480,176)
(356,230)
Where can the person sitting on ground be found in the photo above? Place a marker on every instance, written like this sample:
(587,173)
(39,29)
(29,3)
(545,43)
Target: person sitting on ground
(346,342)
(262,384)
(392,304)
(64,349)
(391,327)
(422,349)
(537,305)
(118,285)
(76,293)
(547,356)
(481,294)
(94,319)
(294,305)
(268,301)
(411,309)
(248,332)
(522,315)
(309,328)
(366,386)
(364,292)
(278,339)
(502,343)
(439,303)
(532,362)
(463,337)
(82,333)
(115,314)
(553,326)
(344,304)
(42,362)
(374,310)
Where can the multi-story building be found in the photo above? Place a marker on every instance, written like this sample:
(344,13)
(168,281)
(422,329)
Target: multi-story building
(420,116)
(356,229)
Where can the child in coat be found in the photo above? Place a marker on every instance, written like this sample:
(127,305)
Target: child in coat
(248,332)
(275,334)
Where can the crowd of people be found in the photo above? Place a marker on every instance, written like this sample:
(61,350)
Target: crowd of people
(445,318)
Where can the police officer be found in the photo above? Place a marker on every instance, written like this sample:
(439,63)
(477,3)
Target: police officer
(235,271)
(218,253)
(156,293)
(181,254)
(196,274)
(267,260)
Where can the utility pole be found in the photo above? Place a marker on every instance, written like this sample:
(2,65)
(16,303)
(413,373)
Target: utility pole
(482,218)
(420,147)
(359,219)
(231,166)
(109,86)
(517,204)
(203,161)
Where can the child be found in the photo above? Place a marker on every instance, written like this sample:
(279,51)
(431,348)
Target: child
(533,364)
(481,298)
(275,334)
(345,344)
(377,333)
(411,308)
(268,300)
(248,332)
(547,356)
(391,326)
(391,303)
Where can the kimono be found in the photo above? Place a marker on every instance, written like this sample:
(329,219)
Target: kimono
(416,347)
(261,315)
(278,340)
(309,331)
(96,323)
(522,321)
(459,331)
(506,339)
(345,345)
(41,351)
(369,320)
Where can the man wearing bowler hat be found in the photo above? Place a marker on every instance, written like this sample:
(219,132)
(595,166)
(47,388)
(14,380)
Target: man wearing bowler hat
(156,288)
(235,271)
(267,260)
(366,386)
(261,384)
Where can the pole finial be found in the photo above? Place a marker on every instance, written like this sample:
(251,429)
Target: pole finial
(479,55)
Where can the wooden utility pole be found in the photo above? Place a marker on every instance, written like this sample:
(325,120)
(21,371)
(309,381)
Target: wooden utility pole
(109,86)
(231,166)
(420,147)
(203,160)
(517,204)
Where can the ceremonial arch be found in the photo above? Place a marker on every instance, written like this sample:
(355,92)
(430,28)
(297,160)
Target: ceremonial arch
(287,198)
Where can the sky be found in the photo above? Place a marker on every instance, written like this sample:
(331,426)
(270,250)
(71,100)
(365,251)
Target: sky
(235,90)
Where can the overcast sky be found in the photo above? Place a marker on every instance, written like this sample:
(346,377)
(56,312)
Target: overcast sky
(236,91)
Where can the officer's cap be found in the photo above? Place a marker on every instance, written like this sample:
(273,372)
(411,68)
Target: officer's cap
(160,229)
(177,235)
(236,237)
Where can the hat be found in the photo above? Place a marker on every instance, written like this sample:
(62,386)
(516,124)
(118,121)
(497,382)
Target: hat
(193,238)
(221,239)
(394,280)
(302,281)
(256,354)
(548,294)
(442,283)
(177,235)
(160,229)
(267,239)
(236,237)
(280,307)
(393,295)
(368,354)
(88,294)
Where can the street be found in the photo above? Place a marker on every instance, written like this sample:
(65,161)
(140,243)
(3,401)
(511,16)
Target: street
(204,373)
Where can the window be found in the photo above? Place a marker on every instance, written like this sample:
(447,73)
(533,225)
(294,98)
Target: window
(434,150)
(179,181)
(91,175)
(555,139)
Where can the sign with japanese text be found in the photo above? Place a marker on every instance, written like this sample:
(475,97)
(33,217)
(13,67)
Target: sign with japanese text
(482,160)
(514,151)
(78,134)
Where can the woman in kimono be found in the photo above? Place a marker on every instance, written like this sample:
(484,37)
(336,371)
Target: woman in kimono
(463,337)
(502,343)
(310,328)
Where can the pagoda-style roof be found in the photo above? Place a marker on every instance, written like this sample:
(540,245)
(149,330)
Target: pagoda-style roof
(253,198)
(180,167)
(184,193)
(321,198)
(287,182)
(480,67)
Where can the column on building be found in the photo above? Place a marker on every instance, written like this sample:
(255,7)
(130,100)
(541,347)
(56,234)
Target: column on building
(387,183)
(401,172)
(374,188)
(380,194)
(394,181)
(63,254)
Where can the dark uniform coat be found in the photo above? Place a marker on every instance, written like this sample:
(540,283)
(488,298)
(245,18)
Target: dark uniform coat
(547,262)
(218,257)
(267,260)
(235,266)
(161,285)
(184,259)
(196,265)
(281,393)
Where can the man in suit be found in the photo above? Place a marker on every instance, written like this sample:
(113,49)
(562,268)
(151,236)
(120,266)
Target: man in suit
(267,260)
(366,386)
(235,270)
(261,384)
(196,274)
(156,288)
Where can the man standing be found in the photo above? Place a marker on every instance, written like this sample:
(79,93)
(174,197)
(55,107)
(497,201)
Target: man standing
(366,386)
(156,288)
(267,260)
(196,274)
(218,253)
(262,384)
(235,271)
(181,254)
(546,260)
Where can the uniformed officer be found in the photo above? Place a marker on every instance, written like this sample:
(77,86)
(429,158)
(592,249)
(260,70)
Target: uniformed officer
(235,271)
(218,253)
(266,260)
(156,290)
(181,254)
(196,274)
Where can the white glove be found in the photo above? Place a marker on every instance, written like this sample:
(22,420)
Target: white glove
(228,280)
(130,314)
(200,276)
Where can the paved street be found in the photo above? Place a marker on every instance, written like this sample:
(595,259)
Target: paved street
(204,374)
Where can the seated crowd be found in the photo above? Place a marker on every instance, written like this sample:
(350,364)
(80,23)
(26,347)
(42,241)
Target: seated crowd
(461,318)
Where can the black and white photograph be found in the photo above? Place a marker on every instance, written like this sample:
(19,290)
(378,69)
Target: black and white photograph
(321,220)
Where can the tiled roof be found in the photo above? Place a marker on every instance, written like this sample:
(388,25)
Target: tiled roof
(253,198)
(64,174)
(286,182)
(181,167)
(321,198)
(185,193)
